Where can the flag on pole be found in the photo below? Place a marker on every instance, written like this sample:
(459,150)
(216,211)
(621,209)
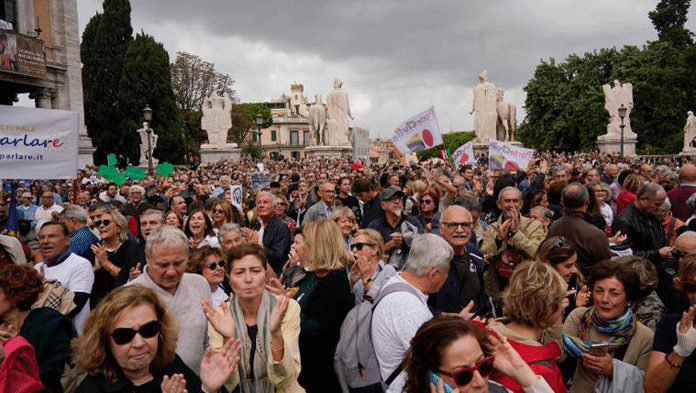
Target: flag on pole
(12,214)
(418,133)
(444,153)
(464,155)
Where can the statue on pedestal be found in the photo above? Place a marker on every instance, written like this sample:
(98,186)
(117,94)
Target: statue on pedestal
(216,119)
(507,117)
(317,122)
(615,96)
(338,113)
(690,132)
(143,142)
(485,108)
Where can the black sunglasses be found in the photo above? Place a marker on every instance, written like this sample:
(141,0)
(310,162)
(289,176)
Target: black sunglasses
(464,375)
(359,246)
(98,223)
(426,201)
(214,265)
(122,336)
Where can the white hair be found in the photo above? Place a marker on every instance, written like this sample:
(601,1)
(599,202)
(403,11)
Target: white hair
(428,251)
(274,198)
(167,236)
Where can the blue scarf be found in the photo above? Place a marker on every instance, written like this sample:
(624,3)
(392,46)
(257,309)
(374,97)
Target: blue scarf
(619,330)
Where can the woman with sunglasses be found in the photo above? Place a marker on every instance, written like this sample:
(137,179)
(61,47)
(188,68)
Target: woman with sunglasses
(114,256)
(672,364)
(221,214)
(560,253)
(450,353)
(129,345)
(267,325)
(610,320)
(368,272)
(534,302)
(47,330)
(210,263)
(429,216)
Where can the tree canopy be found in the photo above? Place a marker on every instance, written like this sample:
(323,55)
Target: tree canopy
(565,102)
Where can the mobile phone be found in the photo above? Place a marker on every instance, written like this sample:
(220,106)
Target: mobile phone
(600,349)
(435,380)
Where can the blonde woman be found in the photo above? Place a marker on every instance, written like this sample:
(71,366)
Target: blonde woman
(345,219)
(368,272)
(325,299)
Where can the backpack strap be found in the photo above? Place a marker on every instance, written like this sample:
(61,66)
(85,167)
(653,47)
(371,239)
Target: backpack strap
(389,289)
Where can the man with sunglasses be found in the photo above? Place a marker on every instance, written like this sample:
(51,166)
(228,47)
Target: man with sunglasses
(465,278)
(397,230)
(72,271)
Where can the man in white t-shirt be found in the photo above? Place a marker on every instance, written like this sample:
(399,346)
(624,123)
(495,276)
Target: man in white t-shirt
(69,269)
(44,213)
(398,315)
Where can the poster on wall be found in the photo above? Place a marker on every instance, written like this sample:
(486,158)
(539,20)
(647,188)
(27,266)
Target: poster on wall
(22,55)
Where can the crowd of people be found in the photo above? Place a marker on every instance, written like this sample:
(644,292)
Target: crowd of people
(575,274)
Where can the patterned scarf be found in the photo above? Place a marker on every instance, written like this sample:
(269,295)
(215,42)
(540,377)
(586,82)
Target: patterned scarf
(619,330)
(260,383)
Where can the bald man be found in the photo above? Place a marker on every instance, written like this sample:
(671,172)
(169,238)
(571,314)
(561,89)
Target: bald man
(679,195)
(674,301)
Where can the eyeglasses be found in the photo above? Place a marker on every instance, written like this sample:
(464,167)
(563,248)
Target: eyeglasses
(455,225)
(123,336)
(214,265)
(359,246)
(688,287)
(99,223)
(464,375)
(677,254)
(426,201)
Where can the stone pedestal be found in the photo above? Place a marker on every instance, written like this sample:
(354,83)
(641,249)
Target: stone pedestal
(327,151)
(612,144)
(688,152)
(214,153)
(143,164)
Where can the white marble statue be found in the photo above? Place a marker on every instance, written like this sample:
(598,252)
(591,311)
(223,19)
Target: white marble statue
(338,113)
(317,122)
(690,132)
(484,109)
(143,141)
(507,117)
(216,119)
(615,96)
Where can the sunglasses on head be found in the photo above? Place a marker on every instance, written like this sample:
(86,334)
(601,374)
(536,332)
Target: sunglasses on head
(464,375)
(99,223)
(214,265)
(359,246)
(122,336)
(559,242)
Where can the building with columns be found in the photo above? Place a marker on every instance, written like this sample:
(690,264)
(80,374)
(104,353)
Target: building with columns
(42,58)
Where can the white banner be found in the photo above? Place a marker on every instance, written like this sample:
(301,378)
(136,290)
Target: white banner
(38,143)
(503,155)
(464,155)
(418,133)
(236,192)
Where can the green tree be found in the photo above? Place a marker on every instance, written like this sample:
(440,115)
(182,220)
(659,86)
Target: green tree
(104,44)
(451,141)
(244,122)
(146,80)
(669,18)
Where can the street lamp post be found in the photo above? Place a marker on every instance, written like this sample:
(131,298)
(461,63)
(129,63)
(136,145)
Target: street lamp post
(622,114)
(147,114)
(259,123)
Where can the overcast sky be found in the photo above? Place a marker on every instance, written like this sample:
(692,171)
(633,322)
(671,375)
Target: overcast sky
(395,57)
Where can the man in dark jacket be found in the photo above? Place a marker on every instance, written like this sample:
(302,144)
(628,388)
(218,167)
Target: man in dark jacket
(643,227)
(368,192)
(464,281)
(273,232)
(590,242)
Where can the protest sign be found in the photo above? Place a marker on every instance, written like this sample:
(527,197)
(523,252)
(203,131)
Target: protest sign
(503,155)
(37,143)
(260,180)
(418,133)
(464,155)
(236,192)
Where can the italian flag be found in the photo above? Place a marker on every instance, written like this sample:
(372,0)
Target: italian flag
(444,154)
